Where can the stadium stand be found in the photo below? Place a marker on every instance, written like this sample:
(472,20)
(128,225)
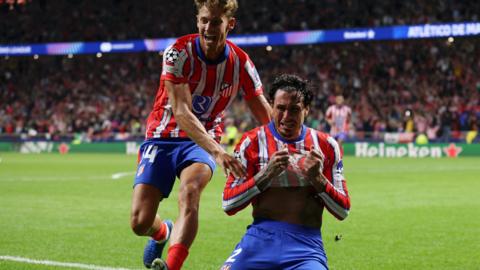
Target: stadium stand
(53,21)
(108,98)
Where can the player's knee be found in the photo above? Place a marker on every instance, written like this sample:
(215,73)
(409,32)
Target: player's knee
(189,209)
(140,225)
(189,199)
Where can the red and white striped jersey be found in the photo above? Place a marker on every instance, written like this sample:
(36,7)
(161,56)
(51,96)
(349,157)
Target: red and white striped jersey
(213,85)
(258,145)
(341,118)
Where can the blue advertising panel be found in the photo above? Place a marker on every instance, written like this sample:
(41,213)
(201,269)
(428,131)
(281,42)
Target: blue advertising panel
(399,32)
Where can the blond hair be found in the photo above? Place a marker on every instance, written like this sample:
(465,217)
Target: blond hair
(229,7)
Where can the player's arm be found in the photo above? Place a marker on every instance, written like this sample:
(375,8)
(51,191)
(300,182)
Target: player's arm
(329,116)
(239,192)
(253,89)
(181,101)
(260,108)
(332,192)
(349,116)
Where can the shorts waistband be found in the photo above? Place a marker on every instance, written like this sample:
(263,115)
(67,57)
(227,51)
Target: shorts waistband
(268,223)
(169,140)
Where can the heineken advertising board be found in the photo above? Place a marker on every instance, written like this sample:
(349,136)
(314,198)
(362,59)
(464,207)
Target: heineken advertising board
(410,150)
(359,149)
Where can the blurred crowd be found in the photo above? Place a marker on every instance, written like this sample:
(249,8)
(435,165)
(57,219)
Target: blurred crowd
(426,87)
(96,99)
(83,20)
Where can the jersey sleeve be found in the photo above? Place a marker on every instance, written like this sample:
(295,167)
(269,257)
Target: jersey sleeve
(174,64)
(335,196)
(328,113)
(239,192)
(251,83)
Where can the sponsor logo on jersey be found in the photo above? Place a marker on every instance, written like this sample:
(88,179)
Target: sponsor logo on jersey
(200,104)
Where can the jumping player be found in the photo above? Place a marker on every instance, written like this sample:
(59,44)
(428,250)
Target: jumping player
(201,75)
(293,173)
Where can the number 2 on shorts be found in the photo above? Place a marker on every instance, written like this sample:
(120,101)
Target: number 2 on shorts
(235,253)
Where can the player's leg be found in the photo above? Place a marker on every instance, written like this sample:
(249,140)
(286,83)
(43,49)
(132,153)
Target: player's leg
(193,180)
(154,181)
(255,249)
(302,248)
(309,265)
(145,221)
(143,218)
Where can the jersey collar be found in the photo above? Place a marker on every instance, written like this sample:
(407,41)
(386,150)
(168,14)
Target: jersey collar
(272,128)
(220,59)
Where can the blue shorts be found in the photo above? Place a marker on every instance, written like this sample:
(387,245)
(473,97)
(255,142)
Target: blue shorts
(269,244)
(160,161)
(341,136)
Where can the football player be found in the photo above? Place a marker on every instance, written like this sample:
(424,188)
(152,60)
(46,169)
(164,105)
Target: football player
(201,75)
(293,173)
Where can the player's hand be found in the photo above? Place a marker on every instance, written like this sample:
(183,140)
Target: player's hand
(313,164)
(312,169)
(277,163)
(230,165)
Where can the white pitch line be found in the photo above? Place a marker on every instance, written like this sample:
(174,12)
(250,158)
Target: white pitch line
(66,178)
(54,178)
(119,175)
(62,264)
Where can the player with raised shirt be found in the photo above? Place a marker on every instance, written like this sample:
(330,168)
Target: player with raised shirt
(293,173)
(201,75)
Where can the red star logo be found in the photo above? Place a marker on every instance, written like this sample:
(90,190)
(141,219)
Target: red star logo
(63,148)
(452,150)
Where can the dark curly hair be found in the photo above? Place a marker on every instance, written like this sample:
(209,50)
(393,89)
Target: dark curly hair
(292,83)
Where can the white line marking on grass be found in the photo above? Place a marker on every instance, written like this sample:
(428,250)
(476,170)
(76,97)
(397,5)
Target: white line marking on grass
(119,175)
(54,178)
(62,264)
(64,178)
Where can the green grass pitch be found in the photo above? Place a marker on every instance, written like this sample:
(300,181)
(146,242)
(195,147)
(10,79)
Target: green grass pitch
(406,214)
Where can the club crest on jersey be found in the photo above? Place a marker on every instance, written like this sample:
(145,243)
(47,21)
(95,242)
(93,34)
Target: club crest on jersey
(200,104)
(226,89)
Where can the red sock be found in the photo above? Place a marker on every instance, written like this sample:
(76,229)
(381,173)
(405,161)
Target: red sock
(176,256)
(161,234)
